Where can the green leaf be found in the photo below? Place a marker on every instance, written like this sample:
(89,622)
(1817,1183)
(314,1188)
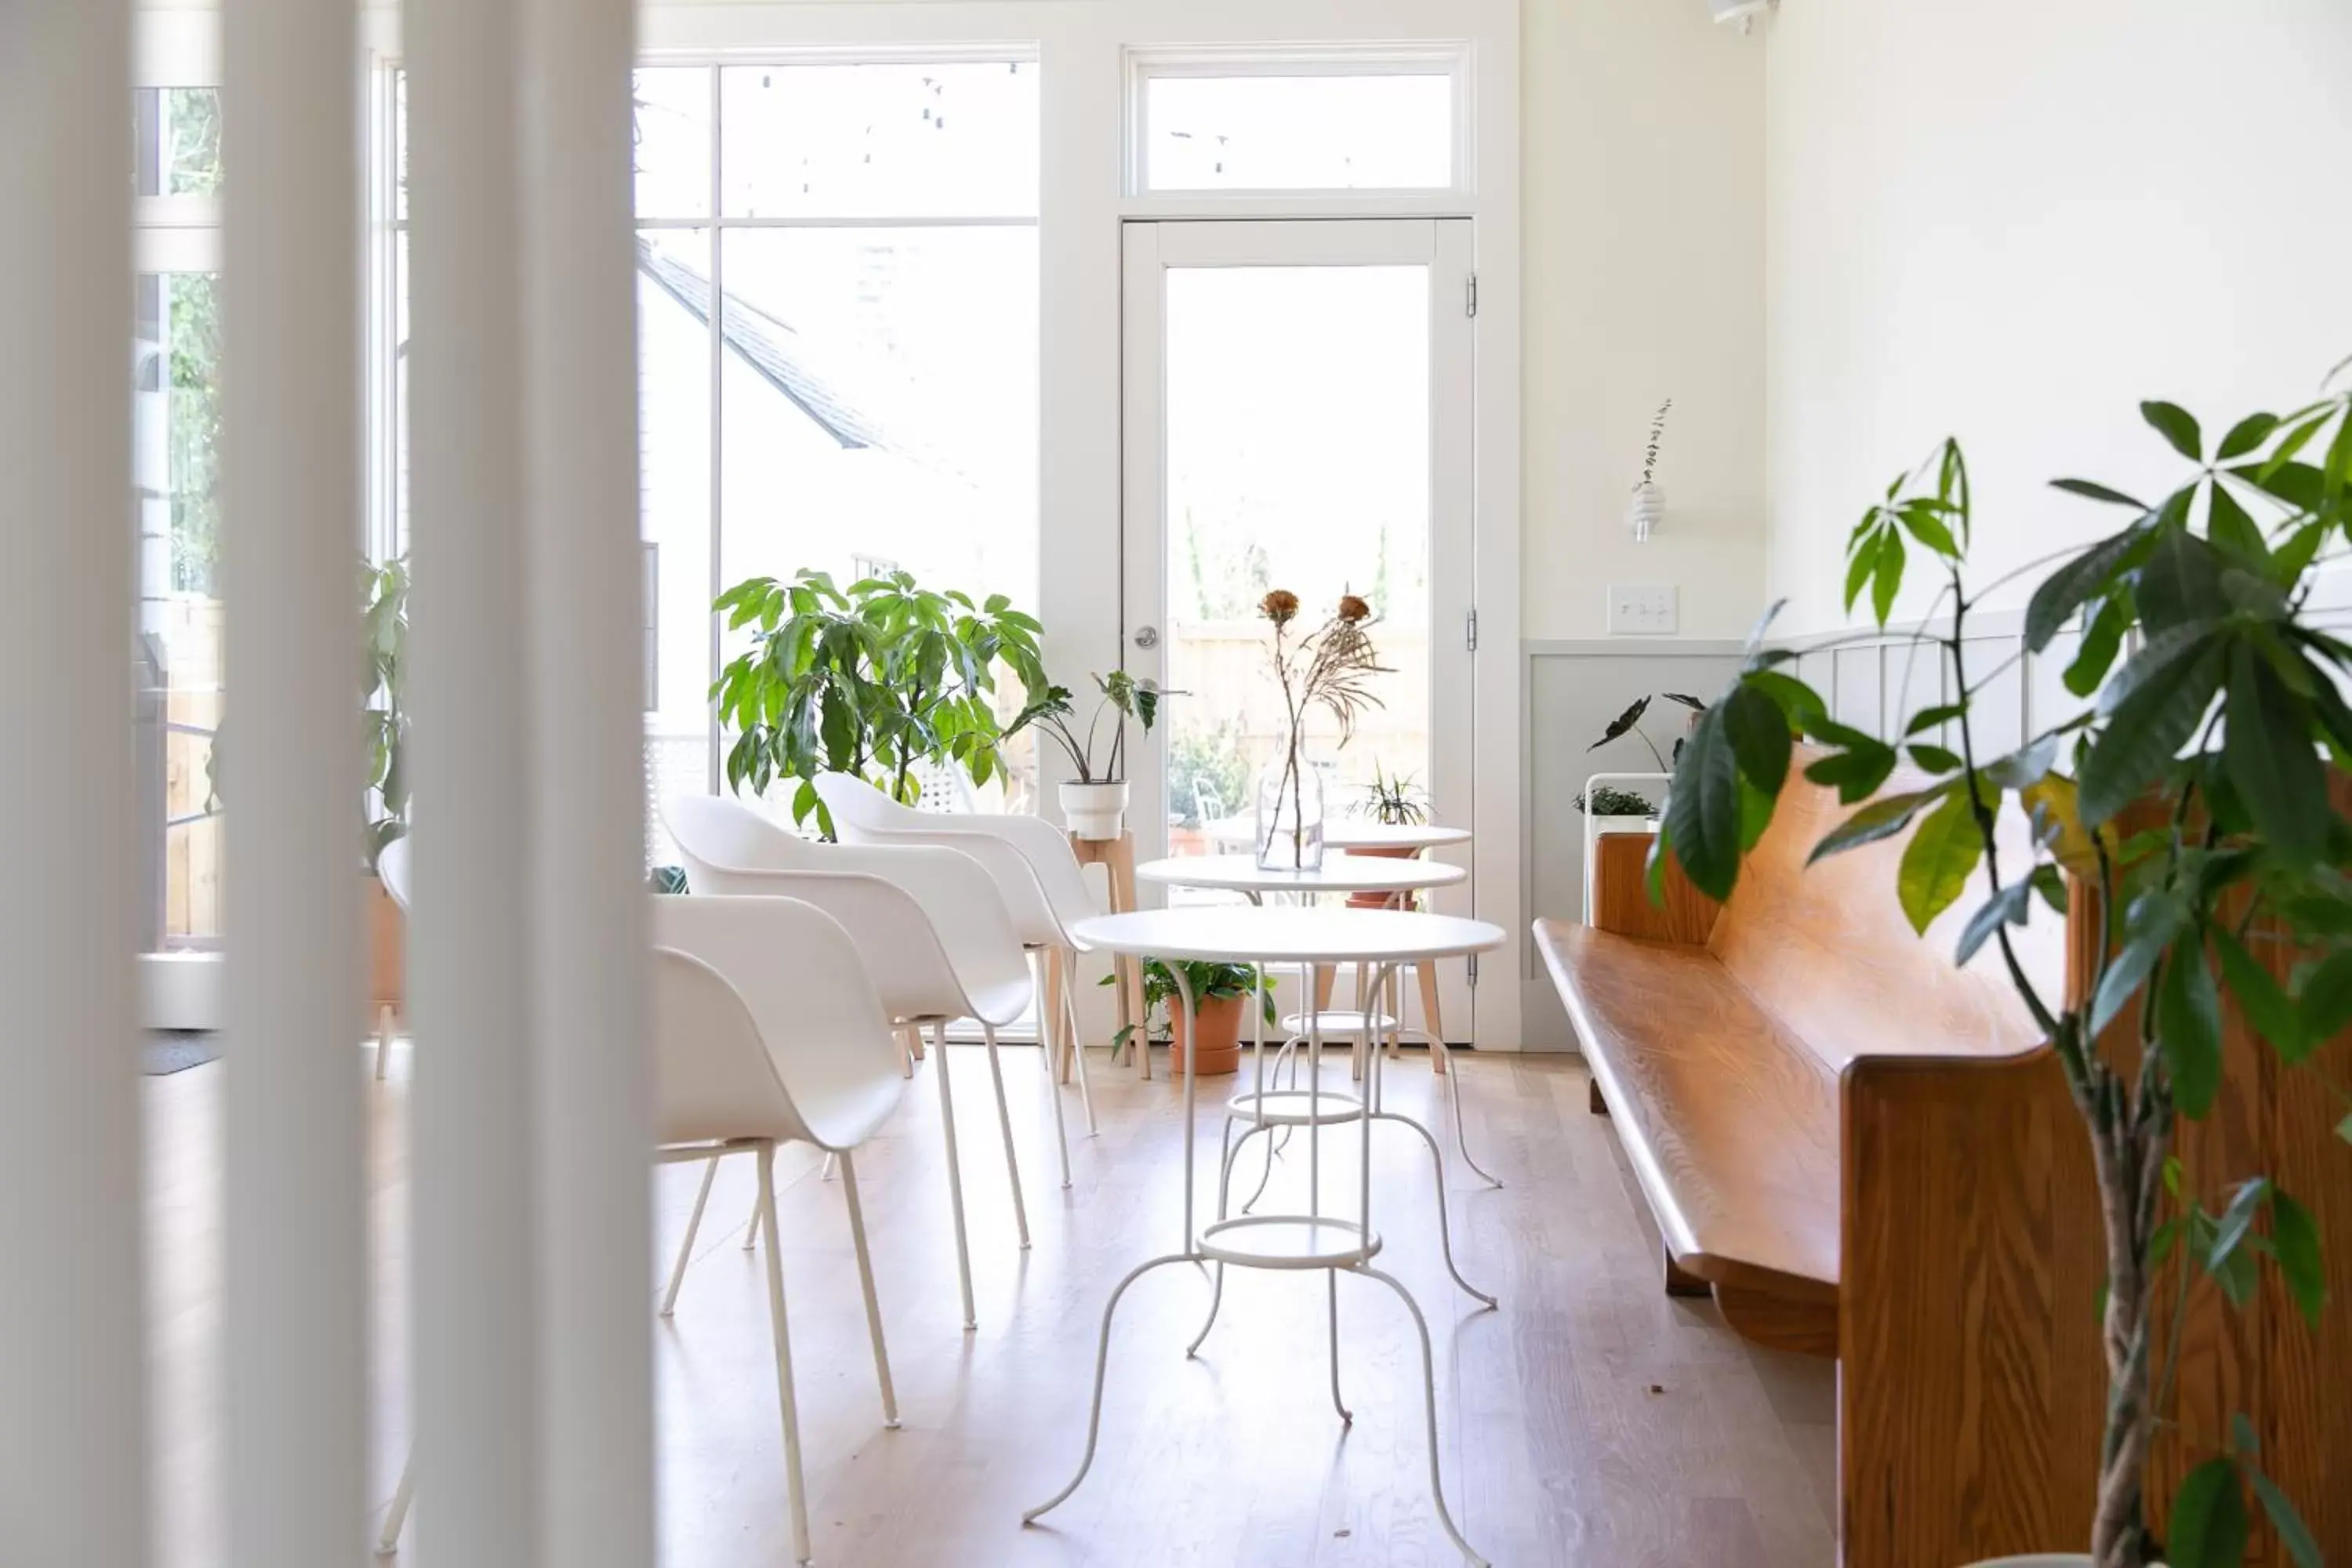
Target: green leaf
(1703,808)
(1939,860)
(1889,577)
(2078,581)
(1799,704)
(2268,752)
(2295,1235)
(2146,733)
(2233,528)
(2188,1028)
(1881,818)
(2208,1519)
(1758,731)
(1929,718)
(2154,923)
(2101,640)
(2096,492)
(2023,768)
(2181,580)
(1935,759)
(2006,906)
(2245,436)
(2267,1007)
(2293,1534)
(2325,1006)
(1928,528)
(1856,773)
(2236,1222)
(2174,424)
(1860,564)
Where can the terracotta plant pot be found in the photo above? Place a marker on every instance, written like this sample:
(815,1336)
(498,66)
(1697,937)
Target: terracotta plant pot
(1220,1019)
(1379,900)
(387,952)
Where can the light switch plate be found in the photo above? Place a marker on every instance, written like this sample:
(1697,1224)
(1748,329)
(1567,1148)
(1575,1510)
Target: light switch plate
(1642,609)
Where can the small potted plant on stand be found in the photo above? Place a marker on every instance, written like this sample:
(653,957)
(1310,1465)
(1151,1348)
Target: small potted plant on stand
(1094,802)
(1393,801)
(385,628)
(1218,992)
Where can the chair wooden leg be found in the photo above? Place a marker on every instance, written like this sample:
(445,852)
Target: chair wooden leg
(795,1489)
(382,1038)
(1069,1003)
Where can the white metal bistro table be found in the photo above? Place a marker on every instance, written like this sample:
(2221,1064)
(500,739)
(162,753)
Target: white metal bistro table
(1339,873)
(1311,1239)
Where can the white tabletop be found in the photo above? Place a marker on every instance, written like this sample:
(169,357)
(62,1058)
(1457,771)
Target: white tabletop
(1338,874)
(1245,932)
(1349,833)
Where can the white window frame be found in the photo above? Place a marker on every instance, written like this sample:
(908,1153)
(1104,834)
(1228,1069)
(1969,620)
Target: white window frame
(1451,60)
(1084,196)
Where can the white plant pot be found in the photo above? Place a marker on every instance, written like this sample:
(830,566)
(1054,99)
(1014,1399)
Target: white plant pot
(1095,811)
(1648,510)
(1624,825)
(2037,1560)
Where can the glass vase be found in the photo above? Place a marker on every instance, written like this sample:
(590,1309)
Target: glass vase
(1290,813)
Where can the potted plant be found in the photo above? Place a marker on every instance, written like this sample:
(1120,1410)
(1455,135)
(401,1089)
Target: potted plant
(872,679)
(1218,992)
(1395,801)
(1614,810)
(1094,802)
(2189,811)
(1328,668)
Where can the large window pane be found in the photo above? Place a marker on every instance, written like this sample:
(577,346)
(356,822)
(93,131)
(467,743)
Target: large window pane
(177,134)
(1385,131)
(1298,457)
(175,369)
(673,141)
(879,140)
(674,491)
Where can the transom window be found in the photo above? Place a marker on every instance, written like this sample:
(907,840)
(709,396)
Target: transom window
(1352,122)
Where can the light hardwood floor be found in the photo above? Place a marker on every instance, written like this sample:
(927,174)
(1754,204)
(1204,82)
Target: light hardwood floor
(1590,1421)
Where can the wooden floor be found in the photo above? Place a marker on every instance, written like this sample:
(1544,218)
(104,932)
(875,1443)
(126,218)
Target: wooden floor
(1590,1421)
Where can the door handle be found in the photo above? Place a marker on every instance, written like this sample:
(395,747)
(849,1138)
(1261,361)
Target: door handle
(1147,637)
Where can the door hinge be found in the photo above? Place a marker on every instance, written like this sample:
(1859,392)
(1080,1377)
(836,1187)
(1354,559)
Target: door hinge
(1470,295)
(1474,971)
(1470,631)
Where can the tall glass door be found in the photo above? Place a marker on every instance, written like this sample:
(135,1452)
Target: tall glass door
(1298,418)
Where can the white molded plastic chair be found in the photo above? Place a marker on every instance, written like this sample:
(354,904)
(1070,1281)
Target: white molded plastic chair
(932,928)
(765,1031)
(1044,889)
(392,871)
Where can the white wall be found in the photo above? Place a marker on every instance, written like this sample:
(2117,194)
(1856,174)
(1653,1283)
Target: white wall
(2010,220)
(1642,191)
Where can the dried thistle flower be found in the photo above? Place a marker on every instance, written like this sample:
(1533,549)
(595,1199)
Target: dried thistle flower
(1279,606)
(1353,609)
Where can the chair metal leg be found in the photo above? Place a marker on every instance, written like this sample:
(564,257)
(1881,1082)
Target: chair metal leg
(794,1488)
(1004,1124)
(1428,1405)
(866,1278)
(955,1175)
(1079,1046)
(1102,1365)
(382,1038)
(396,1517)
(686,1247)
(1347,1416)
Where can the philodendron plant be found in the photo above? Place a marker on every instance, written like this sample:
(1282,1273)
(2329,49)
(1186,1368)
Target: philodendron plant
(2189,807)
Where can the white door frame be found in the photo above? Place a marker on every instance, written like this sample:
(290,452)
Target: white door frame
(1444,247)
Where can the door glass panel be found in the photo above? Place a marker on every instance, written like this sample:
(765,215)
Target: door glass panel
(1389,132)
(1297,457)
(176,434)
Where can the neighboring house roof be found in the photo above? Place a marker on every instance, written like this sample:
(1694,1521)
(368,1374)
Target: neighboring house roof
(770,347)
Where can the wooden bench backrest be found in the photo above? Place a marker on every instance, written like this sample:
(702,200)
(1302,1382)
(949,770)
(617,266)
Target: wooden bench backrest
(1828,950)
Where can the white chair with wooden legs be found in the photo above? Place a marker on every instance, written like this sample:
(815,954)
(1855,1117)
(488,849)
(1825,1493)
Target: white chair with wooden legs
(1037,876)
(392,871)
(934,935)
(766,1031)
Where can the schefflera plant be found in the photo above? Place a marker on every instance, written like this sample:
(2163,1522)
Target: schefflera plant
(2188,805)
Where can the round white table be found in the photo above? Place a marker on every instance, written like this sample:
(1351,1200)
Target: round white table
(1348,832)
(1308,1238)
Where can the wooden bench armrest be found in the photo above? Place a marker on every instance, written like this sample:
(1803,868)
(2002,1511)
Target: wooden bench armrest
(1971,1259)
(1621,894)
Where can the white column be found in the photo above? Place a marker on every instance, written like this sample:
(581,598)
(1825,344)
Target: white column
(73,1363)
(296,1140)
(595,1086)
(470,957)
